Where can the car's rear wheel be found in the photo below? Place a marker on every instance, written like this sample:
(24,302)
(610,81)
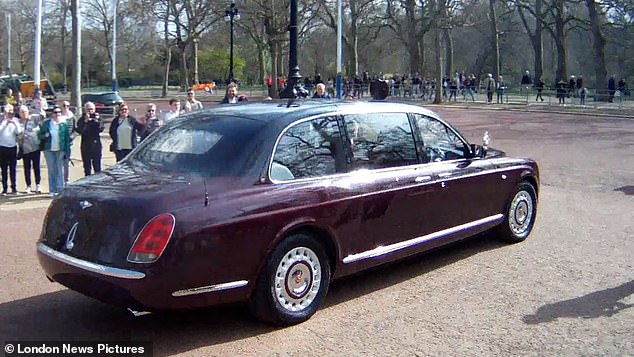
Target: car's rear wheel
(520,214)
(293,283)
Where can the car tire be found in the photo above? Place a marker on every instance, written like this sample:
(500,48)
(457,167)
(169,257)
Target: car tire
(520,214)
(293,282)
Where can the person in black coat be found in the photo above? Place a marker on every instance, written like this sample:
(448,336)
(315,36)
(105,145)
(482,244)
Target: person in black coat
(539,85)
(89,126)
(611,89)
(562,91)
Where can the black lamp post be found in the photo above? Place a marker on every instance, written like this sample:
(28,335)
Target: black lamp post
(230,14)
(293,88)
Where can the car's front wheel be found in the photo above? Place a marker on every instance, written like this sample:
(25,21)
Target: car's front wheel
(293,283)
(520,215)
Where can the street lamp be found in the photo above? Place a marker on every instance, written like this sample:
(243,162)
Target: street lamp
(294,87)
(230,14)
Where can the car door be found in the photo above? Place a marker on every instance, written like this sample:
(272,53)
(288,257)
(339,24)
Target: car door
(393,188)
(467,186)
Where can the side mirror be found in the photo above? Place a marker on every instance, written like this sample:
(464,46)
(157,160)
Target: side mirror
(478,151)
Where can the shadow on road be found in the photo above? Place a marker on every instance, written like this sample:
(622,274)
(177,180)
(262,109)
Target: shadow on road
(628,190)
(603,303)
(66,315)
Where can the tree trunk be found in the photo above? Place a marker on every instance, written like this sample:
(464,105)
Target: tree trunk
(448,51)
(261,69)
(168,53)
(413,42)
(536,38)
(598,46)
(75,95)
(560,43)
(538,44)
(184,69)
(353,55)
(495,39)
(275,66)
(439,70)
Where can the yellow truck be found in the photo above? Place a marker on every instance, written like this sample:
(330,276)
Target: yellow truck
(25,85)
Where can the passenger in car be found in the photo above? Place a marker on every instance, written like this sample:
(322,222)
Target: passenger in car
(359,145)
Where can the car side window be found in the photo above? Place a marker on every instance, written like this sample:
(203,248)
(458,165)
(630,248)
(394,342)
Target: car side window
(440,143)
(380,140)
(309,149)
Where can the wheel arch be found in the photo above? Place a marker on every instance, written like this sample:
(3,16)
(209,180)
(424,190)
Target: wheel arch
(325,238)
(309,227)
(532,180)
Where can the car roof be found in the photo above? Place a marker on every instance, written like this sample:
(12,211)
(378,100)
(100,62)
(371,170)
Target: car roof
(102,93)
(288,111)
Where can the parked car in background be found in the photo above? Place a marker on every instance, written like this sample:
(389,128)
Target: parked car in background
(105,103)
(267,203)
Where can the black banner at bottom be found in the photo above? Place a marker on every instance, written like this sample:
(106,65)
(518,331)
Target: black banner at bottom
(78,348)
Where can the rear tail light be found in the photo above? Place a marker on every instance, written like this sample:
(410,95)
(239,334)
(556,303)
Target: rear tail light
(152,240)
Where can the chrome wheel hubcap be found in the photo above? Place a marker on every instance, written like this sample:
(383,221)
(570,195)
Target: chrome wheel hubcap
(297,279)
(521,213)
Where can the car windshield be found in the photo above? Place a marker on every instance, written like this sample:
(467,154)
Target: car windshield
(216,147)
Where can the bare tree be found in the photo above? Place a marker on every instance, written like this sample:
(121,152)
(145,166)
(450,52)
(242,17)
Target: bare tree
(190,18)
(23,24)
(411,20)
(360,24)
(558,22)
(598,45)
(98,16)
(536,37)
(274,18)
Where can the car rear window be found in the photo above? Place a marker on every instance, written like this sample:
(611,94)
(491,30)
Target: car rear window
(110,97)
(107,97)
(217,147)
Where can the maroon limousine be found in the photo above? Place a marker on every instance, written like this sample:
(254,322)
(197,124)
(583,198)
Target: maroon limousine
(267,203)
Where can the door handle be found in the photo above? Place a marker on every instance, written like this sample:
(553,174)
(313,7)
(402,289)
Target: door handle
(420,179)
(445,174)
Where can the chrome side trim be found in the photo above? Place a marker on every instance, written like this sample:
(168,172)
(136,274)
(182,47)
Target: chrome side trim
(136,313)
(379,251)
(211,288)
(86,265)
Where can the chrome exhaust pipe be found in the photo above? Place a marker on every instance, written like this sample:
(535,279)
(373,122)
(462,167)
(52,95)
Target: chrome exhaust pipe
(138,313)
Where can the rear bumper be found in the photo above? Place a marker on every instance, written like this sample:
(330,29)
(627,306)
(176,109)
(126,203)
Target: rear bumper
(143,291)
(89,266)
